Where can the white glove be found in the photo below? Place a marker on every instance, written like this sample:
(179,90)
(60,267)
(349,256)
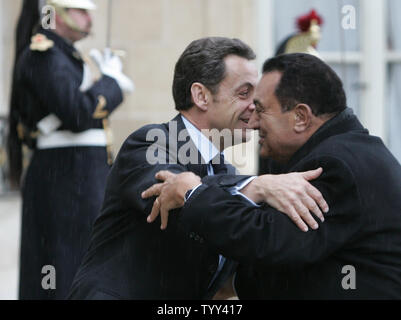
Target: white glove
(111,65)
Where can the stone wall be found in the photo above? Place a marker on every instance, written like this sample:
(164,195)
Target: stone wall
(153,33)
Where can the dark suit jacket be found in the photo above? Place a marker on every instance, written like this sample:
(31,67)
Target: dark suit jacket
(131,259)
(362,185)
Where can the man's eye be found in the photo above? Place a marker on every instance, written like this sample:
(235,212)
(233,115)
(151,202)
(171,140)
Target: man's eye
(244,93)
(258,110)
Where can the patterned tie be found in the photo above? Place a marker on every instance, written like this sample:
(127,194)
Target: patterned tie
(219,165)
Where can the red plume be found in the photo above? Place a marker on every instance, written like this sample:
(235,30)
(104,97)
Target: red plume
(304,22)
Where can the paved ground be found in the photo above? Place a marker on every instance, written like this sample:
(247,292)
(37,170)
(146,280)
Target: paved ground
(9,246)
(10,217)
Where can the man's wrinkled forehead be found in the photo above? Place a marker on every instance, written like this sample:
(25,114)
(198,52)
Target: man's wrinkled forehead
(267,85)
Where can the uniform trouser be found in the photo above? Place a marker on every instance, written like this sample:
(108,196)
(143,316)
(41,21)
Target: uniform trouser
(62,194)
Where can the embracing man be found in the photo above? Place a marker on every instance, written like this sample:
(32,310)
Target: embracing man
(128,258)
(303,123)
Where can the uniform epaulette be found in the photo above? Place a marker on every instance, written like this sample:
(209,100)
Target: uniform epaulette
(39,42)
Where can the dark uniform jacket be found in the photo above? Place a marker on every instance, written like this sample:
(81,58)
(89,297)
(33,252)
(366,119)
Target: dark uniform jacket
(355,253)
(63,187)
(131,259)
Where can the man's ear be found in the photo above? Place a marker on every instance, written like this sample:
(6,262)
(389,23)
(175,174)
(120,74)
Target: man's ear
(302,117)
(200,95)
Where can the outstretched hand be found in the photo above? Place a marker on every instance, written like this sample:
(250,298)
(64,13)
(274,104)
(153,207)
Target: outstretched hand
(291,194)
(170,193)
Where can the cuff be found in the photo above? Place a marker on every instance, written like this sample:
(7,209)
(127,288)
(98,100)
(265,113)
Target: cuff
(235,191)
(192,192)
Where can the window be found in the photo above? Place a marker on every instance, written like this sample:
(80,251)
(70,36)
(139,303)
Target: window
(394,77)
(338,47)
(367,58)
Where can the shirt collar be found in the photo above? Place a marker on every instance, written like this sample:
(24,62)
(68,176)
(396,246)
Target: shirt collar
(205,147)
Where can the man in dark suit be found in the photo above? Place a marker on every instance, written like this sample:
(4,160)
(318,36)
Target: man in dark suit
(128,258)
(304,123)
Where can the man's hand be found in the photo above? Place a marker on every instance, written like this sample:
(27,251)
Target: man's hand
(170,193)
(291,194)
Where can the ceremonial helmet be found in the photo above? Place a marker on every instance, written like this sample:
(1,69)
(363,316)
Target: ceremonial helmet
(61,7)
(73,4)
(306,38)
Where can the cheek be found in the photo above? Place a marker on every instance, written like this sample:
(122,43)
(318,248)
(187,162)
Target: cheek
(264,153)
(243,105)
(238,110)
(80,19)
(274,134)
(85,21)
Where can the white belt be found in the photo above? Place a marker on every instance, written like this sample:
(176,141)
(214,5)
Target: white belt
(63,139)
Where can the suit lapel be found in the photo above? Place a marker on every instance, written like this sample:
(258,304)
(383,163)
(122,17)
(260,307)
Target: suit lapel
(201,170)
(178,125)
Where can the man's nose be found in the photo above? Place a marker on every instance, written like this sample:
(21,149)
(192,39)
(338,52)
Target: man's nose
(89,18)
(254,120)
(251,107)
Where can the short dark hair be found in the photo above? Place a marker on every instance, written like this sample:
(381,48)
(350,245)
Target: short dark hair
(203,61)
(307,79)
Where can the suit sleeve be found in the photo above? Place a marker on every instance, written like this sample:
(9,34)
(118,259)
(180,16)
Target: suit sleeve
(226,181)
(51,79)
(265,236)
(136,168)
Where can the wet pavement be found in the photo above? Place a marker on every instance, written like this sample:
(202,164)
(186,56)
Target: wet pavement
(10,216)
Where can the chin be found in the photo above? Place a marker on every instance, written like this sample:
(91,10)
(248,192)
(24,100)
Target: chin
(263,153)
(78,38)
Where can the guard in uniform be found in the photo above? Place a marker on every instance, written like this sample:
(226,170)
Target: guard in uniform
(307,37)
(61,112)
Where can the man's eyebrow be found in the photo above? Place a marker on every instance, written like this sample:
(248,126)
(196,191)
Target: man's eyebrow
(246,84)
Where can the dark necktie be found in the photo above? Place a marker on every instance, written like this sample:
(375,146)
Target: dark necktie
(218,164)
(219,167)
